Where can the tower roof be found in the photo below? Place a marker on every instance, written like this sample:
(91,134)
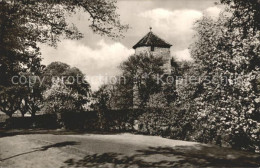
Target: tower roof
(152,40)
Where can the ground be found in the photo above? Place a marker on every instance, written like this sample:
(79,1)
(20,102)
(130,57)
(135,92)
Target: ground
(118,150)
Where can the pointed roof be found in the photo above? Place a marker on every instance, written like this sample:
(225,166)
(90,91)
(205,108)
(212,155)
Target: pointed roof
(152,40)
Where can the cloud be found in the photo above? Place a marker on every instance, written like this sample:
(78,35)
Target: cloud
(213,11)
(183,55)
(177,20)
(101,61)
(176,23)
(175,26)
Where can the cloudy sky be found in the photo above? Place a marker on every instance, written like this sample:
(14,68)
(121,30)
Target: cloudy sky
(97,56)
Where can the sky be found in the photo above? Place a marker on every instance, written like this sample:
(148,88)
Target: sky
(97,56)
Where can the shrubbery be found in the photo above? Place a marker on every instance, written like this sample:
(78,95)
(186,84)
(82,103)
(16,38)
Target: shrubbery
(40,121)
(224,112)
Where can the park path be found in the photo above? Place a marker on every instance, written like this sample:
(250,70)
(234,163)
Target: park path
(119,150)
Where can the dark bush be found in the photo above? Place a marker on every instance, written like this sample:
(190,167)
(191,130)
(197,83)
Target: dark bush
(40,121)
(109,120)
(83,120)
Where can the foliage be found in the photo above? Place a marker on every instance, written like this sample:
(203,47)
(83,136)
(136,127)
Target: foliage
(67,90)
(25,23)
(103,102)
(10,100)
(40,121)
(218,97)
(72,77)
(113,96)
(157,101)
(32,98)
(27,94)
(59,98)
(103,98)
(225,99)
(245,15)
(143,70)
(32,90)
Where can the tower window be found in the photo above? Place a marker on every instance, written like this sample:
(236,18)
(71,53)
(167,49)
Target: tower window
(152,48)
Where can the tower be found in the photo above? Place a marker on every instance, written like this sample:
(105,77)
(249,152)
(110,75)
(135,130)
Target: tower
(152,44)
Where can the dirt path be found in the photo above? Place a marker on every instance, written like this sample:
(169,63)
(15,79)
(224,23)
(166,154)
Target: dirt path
(122,150)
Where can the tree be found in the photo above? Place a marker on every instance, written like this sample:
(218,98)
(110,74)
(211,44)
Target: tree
(111,97)
(66,88)
(102,96)
(25,23)
(142,71)
(224,100)
(245,15)
(10,100)
(72,77)
(32,90)
(31,95)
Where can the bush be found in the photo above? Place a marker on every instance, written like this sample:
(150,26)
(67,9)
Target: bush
(39,121)
(109,120)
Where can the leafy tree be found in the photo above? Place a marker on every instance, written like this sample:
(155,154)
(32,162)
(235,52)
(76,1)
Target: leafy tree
(142,71)
(32,96)
(102,97)
(32,89)
(25,23)
(112,96)
(169,88)
(59,98)
(224,100)
(109,97)
(157,101)
(73,78)
(66,88)
(245,15)
(10,100)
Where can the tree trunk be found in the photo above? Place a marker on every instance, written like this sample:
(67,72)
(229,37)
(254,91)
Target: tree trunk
(10,115)
(33,111)
(33,114)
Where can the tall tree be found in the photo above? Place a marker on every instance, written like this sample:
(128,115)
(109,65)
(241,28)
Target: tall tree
(245,15)
(225,98)
(142,71)
(10,100)
(25,23)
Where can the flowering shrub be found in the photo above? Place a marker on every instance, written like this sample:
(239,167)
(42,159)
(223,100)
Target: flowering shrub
(227,112)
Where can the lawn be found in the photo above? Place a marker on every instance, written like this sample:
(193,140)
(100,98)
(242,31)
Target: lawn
(120,150)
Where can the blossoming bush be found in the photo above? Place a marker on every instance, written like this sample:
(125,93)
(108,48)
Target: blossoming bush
(225,102)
